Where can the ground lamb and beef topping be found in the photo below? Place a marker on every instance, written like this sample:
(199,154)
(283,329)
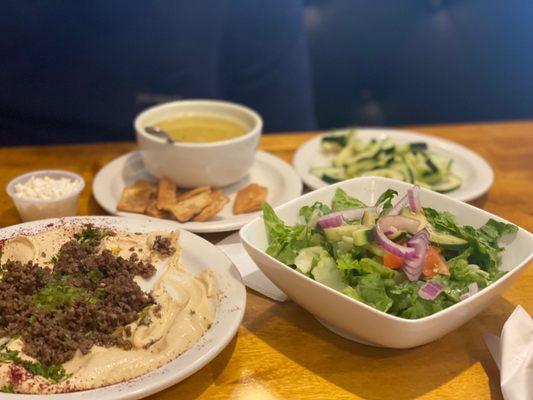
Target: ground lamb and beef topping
(163,246)
(87,299)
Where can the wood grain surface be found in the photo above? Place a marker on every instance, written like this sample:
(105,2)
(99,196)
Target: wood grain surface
(281,351)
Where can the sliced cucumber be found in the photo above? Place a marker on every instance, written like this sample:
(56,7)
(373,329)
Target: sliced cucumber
(369,218)
(336,234)
(369,153)
(441,163)
(331,147)
(409,162)
(418,216)
(340,140)
(327,273)
(374,249)
(306,258)
(418,165)
(362,166)
(397,235)
(447,184)
(404,170)
(330,174)
(388,146)
(347,239)
(447,242)
(363,235)
(385,172)
(344,154)
(418,146)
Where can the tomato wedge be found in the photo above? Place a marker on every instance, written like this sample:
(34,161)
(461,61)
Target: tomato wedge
(435,263)
(392,261)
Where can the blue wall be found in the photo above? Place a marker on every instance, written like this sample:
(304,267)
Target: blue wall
(390,62)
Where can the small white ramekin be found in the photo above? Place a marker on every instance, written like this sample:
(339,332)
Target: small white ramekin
(34,209)
(199,164)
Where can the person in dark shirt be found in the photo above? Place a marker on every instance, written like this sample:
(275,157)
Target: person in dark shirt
(81,70)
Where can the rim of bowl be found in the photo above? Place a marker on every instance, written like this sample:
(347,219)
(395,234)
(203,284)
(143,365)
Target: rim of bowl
(254,130)
(43,172)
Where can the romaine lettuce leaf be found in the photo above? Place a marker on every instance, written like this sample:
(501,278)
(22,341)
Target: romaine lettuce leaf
(386,200)
(408,304)
(326,272)
(341,201)
(284,241)
(318,209)
(347,264)
(371,288)
(483,241)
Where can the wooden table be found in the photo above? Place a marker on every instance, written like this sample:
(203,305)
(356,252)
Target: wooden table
(281,351)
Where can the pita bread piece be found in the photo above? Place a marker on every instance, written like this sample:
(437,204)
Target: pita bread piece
(191,193)
(166,194)
(153,211)
(249,199)
(218,201)
(188,208)
(135,198)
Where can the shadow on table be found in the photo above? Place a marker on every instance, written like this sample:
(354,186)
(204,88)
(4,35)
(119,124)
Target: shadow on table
(479,202)
(380,373)
(192,387)
(10,216)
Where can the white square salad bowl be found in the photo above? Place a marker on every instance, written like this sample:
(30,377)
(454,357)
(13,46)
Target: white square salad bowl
(358,321)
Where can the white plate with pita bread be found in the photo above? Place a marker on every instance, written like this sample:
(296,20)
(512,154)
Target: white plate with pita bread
(278,177)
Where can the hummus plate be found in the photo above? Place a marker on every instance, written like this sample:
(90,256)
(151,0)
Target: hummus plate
(198,257)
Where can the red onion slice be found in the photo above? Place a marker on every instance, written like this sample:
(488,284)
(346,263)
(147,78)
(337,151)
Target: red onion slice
(399,222)
(330,221)
(464,296)
(389,245)
(472,290)
(413,197)
(414,261)
(338,218)
(430,290)
(390,231)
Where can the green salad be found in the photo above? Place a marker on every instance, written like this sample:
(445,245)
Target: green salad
(411,162)
(403,259)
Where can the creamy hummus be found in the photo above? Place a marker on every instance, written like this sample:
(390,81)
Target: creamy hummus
(187,309)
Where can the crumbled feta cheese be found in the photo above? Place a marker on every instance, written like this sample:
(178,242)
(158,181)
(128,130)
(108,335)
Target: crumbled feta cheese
(46,188)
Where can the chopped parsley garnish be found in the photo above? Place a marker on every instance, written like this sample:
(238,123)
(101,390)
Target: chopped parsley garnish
(144,316)
(7,389)
(57,296)
(95,274)
(55,373)
(91,236)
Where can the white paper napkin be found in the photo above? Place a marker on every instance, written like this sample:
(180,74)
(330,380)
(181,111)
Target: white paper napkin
(251,274)
(513,353)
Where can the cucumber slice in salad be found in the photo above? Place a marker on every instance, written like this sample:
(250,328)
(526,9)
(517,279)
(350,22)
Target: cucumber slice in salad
(336,234)
(363,235)
(447,242)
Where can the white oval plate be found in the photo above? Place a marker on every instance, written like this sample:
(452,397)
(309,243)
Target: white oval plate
(267,170)
(476,173)
(197,255)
